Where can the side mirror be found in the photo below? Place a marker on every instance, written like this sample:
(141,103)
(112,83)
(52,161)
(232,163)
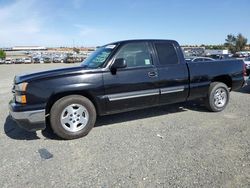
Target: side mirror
(118,64)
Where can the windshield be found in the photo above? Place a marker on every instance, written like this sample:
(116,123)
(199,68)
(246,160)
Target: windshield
(98,57)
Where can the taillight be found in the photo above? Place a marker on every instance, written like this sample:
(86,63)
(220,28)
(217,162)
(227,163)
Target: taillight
(244,69)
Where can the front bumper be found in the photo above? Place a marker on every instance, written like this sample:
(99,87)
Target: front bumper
(31,120)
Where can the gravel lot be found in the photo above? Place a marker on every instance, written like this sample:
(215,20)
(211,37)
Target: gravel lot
(171,146)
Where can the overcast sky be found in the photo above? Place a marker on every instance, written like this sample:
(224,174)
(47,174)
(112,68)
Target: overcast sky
(96,22)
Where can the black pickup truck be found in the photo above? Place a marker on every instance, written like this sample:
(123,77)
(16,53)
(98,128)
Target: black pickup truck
(117,77)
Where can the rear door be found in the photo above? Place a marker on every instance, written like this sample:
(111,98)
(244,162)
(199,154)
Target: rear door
(135,86)
(172,72)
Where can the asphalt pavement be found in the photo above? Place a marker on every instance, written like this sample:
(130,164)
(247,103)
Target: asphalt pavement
(181,145)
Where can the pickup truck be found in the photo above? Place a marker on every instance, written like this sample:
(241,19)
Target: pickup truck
(118,77)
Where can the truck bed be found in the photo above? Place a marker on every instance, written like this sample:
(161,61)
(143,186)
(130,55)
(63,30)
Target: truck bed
(203,73)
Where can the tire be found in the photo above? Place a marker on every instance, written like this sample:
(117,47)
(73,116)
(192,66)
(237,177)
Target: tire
(72,117)
(218,97)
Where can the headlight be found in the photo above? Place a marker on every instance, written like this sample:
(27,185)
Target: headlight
(21,86)
(21,97)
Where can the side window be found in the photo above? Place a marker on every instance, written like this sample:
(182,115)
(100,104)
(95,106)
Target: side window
(166,53)
(135,54)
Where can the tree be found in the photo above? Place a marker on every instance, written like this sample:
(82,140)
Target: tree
(241,42)
(231,43)
(2,54)
(237,43)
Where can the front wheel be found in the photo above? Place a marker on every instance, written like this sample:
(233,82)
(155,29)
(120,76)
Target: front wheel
(218,97)
(72,117)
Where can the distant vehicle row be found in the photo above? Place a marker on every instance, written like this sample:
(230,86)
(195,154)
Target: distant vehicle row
(41,60)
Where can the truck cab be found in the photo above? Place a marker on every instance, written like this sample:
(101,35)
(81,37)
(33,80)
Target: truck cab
(146,76)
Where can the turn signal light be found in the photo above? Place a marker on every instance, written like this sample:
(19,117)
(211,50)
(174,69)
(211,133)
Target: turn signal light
(21,99)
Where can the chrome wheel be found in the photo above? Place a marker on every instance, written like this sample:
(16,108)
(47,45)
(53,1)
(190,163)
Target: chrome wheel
(74,117)
(220,97)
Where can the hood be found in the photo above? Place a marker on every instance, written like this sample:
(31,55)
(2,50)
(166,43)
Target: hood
(51,73)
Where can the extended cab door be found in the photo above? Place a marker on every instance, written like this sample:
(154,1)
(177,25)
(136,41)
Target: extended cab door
(172,71)
(134,86)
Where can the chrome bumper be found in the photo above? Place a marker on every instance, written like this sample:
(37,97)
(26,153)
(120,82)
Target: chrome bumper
(35,116)
(30,120)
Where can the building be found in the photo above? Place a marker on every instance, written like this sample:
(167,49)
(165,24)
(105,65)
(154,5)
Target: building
(28,48)
(247,47)
(216,52)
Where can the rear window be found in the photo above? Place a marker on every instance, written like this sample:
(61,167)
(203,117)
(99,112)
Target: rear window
(166,53)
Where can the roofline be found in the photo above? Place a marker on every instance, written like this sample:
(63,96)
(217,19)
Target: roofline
(141,40)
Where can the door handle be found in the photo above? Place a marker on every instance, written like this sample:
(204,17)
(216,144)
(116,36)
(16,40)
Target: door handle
(152,74)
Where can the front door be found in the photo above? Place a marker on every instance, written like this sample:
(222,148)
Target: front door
(135,86)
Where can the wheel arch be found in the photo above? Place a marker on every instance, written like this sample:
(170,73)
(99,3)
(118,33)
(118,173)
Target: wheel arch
(226,79)
(55,97)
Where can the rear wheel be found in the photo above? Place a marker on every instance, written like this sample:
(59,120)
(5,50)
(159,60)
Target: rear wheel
(218,97)
(72,116)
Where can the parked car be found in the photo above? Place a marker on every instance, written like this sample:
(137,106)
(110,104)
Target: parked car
(2,61)
(8,61)
(78,59)
(198,59)
(221,56)
(27,60)
(70,59)
(47,60)
(19,61)
(41,60)
(118,77)
(58,60)
(36,60)
(247,63)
